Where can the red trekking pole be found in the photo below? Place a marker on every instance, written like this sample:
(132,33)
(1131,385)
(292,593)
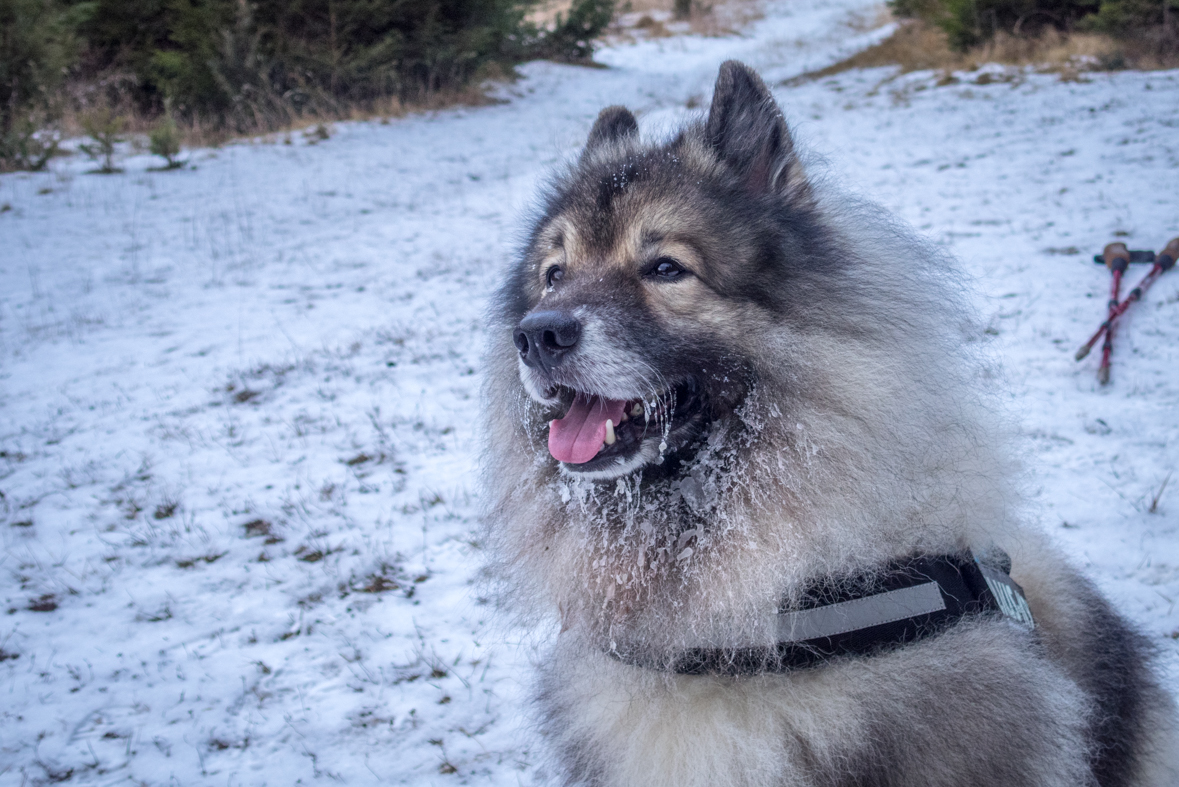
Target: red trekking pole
(1117,258)
(1163,262)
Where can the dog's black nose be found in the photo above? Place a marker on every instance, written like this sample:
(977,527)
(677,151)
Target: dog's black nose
(544,338)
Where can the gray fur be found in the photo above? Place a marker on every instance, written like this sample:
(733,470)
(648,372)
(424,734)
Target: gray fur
(843,428)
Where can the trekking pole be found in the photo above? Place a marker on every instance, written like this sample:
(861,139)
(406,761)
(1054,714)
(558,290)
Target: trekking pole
(1117,258)
(1163,262)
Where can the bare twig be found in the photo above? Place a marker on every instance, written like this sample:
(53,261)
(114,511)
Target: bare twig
(1154,503)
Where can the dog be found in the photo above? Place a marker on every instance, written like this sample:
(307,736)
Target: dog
(729,413)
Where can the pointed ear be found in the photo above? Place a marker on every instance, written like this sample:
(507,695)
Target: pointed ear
(747,131)
(613,125)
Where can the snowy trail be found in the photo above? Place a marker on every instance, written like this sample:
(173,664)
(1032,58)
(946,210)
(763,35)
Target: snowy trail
(238,403)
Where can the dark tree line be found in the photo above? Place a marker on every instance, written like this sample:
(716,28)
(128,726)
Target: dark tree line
(246,65)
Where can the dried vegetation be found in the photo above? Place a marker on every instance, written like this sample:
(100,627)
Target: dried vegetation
(916,45)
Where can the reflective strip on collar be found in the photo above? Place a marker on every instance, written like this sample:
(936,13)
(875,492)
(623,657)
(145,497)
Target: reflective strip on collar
(860,613)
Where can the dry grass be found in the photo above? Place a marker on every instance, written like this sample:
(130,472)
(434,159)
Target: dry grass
(917,46)
(914,46)
(312,124)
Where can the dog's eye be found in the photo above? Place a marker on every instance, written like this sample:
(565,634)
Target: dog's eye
(554,275)
(665,269)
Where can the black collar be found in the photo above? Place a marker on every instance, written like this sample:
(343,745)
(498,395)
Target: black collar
(900,603)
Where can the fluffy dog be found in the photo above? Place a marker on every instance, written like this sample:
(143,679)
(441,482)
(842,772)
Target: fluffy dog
(715,386)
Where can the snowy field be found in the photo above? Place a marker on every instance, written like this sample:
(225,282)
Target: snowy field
(238,402)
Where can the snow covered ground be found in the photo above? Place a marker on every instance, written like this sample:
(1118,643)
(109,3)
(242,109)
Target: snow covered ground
(238,401)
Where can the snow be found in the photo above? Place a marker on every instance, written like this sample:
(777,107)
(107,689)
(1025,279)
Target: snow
(238,402)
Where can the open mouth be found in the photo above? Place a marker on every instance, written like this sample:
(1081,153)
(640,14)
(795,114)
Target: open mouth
(597,433)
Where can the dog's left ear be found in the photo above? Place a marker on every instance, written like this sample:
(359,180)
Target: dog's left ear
(749,134)
(613,125)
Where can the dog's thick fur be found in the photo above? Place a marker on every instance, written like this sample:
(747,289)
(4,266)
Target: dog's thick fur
(838,427)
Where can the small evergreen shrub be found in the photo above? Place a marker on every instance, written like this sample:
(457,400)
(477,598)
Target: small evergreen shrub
(28,146)
(572,39)
(105,128)
(164,141)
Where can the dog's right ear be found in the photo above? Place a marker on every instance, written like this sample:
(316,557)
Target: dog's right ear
(614,124)
(749,134)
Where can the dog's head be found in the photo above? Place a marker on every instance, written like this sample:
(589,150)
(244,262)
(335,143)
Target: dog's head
(637,306)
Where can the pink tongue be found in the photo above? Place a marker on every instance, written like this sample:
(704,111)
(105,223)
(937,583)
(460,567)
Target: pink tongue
(579,436)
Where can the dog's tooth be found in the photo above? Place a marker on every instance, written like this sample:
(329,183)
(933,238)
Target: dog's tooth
(609,432)
(637,410)
(624,418)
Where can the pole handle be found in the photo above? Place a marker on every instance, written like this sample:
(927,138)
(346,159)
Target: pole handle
(1116,256)
(1167,257)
